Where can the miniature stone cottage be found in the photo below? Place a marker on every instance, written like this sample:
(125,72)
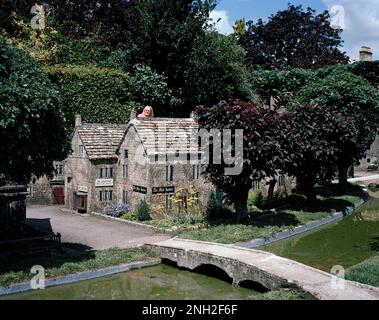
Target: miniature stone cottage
(152,158)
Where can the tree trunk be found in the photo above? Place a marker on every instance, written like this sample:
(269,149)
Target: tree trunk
(342,176)
(271,188)
(240,202)
(306,186)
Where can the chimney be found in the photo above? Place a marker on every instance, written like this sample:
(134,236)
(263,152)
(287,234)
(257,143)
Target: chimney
(78,121)
(365,54)
(133,115)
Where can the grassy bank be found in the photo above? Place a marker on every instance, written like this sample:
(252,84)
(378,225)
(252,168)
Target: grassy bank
(293,212)
(366,272)
(16,269)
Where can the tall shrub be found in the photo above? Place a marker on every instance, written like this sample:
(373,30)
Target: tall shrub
(99,95)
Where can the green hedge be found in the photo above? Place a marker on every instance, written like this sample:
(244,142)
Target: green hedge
(367,70)
(99,95)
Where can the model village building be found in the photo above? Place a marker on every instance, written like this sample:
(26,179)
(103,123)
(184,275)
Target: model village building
(151,158)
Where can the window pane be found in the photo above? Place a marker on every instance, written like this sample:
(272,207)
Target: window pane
(125,171)
(126,154)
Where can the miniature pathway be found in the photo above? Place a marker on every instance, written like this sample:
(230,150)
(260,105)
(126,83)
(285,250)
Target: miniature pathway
(89,231)
(364,178)
(263,267)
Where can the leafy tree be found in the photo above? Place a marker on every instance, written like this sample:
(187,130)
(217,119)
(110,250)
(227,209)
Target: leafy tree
(293,38)
(316,139)
(31,123)
(149,88)
(368,70)
(352,96)
(281,84)
(215,70)
(12,10)
(261,150)
(239,27)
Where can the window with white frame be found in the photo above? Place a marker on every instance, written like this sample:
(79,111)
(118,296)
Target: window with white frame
(81,149)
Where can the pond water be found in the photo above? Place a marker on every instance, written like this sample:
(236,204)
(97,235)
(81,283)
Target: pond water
(160,282)
(344,243)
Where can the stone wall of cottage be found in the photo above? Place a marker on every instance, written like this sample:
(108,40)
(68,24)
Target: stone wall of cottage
(40,192)
(77,172)
(138,173)
(183,181)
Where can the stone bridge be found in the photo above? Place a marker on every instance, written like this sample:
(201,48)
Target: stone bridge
(261,267)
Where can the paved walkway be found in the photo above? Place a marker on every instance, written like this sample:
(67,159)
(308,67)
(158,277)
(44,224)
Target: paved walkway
(314,281)
(89,231)
(364,178)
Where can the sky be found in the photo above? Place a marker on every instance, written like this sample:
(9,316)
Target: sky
(359,18)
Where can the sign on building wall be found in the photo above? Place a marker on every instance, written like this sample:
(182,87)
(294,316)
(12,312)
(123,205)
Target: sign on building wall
(140,189)
(83,189)
(104,183)
(163,190)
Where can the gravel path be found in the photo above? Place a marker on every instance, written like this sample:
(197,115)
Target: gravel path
(90,231)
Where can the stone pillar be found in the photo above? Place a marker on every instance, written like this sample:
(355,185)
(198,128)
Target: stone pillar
(365,54)
(12,211)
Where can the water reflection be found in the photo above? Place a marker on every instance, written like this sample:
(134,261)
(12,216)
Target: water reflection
(155,283)
(347,242)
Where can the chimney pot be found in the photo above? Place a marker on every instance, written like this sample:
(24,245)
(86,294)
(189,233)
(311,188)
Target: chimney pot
(78,121)
(365,54)
(133,115)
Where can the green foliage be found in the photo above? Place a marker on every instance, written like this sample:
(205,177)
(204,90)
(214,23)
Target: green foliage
(31,122)
(367,70)
(295,38)
(99,95)
(149,88)
(17,269)
(367,272)
(143,211)
(211,207)
(183,218)
(71,51)
(281,84)
(255,199)
(349,94)
(215,71)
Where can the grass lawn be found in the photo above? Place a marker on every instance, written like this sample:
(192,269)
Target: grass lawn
(293,213)
(16,269)
(366,272)
(283,295)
